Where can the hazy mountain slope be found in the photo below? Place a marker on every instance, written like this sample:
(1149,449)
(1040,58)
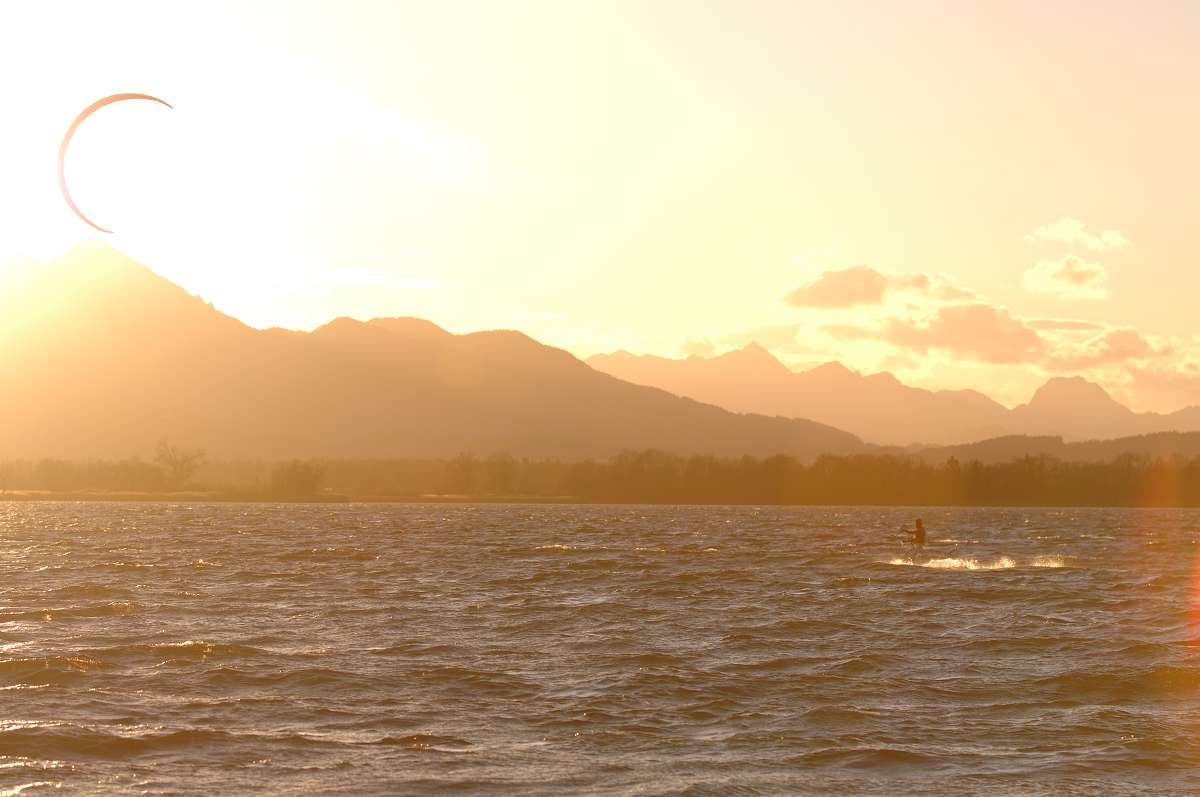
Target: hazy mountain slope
(1081,410)
(1076,409)
(877,408)
(100,358)
(880,409)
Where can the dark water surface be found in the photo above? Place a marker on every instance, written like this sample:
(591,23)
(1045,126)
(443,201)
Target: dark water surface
(358,649)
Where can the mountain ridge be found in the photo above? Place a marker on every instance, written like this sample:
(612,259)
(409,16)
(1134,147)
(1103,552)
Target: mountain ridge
(882,410)
(101,357)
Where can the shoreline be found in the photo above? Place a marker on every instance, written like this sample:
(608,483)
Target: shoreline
(218,497)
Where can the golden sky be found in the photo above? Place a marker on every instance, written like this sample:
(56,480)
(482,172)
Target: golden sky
(966,194)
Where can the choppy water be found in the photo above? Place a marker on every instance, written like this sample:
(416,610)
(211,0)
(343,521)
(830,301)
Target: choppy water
(602,650)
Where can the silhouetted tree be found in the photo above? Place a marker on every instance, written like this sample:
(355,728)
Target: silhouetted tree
(460,474)
(297,479)
(178,465)
(500,474)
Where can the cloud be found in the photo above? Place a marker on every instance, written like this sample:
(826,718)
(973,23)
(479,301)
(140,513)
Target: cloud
(863,285)
(977,332)
(776,337)
(1170,385)
(850,332)
(846,288)
(1064,325)
(697,348)
(974,332)
(1070,276)
(1114,346)
(1122,344)
(1071,231)
(935,287)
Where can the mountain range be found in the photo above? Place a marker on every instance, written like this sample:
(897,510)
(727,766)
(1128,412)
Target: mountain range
(100,357)
(882,410)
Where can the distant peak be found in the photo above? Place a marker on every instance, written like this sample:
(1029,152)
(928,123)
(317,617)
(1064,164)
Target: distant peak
(93,248)
(752,355)
(100,257)
(410,327)
(751,350)
(341,322)
(614,356)
(1072,391)
(96,267)
(93,283)
(1069,386)
(833,368)
(884,376)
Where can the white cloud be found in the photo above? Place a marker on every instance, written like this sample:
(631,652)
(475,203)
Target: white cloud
(863,285)
(1065,325)
(977,332)
(846,288)
(1073,232)
(1114,346)
(1070,276)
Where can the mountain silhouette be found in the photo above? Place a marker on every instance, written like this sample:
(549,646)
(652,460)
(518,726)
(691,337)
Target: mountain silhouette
(882,410)
(100,357)
(1075,408)
(878,408)
(1079,410)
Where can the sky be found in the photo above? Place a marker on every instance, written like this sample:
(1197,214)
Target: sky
(976,195)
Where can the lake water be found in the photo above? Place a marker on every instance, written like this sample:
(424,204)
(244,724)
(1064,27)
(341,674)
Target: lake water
(451,649)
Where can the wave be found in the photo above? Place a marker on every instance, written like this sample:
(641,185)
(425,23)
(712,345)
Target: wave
(839,715)
(330,554)
(1124,684)
(15,790)
(956,563)
(176,652)
(48,670)
(972,563)
(414,649)
(868,758)
(297,679)
(91,590)
(68,612)
(647,659)
(67,741)
(423,741)
(475,682)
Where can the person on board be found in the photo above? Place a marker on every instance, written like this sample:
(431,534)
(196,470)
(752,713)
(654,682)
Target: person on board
(918,534)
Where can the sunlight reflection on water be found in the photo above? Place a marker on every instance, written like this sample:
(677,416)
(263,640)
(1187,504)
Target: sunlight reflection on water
(590,649)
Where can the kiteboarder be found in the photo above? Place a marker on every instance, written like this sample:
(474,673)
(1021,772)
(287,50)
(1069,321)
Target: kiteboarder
(918,535)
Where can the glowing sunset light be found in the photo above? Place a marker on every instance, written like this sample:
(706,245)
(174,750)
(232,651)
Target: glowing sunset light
(578,397)
(489,169)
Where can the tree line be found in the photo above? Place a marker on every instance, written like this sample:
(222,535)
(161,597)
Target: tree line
(640,477)
(173,469)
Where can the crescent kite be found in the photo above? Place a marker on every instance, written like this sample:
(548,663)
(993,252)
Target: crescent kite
(62,150)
